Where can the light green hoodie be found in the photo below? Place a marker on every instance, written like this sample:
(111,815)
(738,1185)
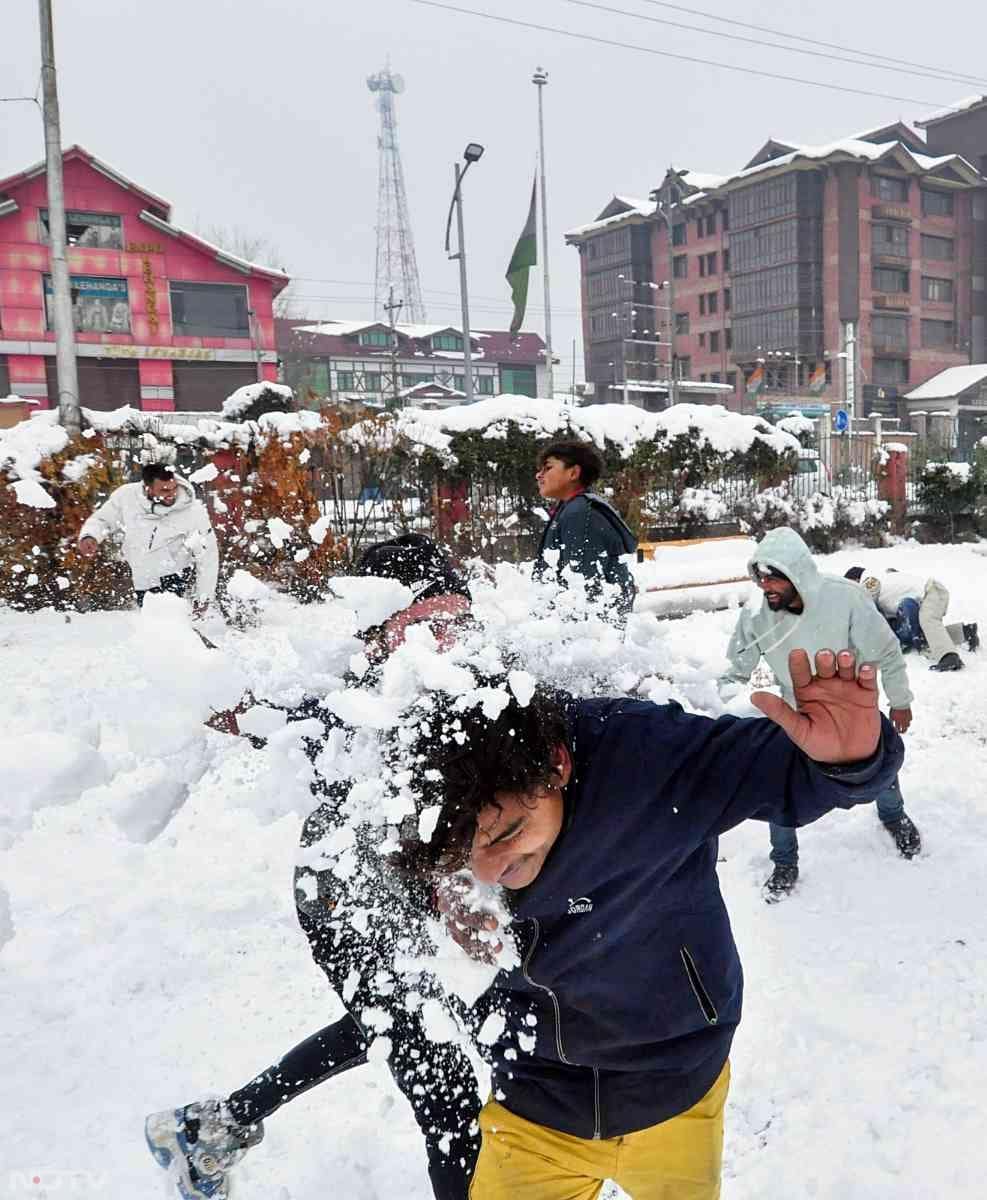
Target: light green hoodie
(837,614)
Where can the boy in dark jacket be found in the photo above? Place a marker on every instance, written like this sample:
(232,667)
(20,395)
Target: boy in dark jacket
(601,818)
(586,534)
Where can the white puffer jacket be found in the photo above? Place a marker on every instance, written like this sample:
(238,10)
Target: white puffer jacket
(158,540)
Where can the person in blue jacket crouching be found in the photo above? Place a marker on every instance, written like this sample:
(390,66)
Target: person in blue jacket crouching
(600,819)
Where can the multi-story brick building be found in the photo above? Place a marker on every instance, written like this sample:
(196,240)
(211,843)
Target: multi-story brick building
(363,362)
(810,273)
(164,320)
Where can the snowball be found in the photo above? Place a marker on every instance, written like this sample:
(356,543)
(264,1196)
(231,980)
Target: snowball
(204,474)
(278,531)
(522,685)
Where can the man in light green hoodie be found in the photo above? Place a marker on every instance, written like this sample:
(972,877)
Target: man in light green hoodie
(803,608)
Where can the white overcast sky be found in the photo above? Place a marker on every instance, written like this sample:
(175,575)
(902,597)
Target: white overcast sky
(256,114)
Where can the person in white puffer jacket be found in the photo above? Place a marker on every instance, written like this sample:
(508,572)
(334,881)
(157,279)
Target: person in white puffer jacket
(168,539)
(801,606)
(914,608)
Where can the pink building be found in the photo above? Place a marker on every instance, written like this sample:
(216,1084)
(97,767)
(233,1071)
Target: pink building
(164,320)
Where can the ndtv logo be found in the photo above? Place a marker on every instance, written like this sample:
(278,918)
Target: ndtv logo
(39,1182)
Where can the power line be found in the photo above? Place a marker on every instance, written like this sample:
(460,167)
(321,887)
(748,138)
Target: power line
(705,62)
(796,37)
(761,44)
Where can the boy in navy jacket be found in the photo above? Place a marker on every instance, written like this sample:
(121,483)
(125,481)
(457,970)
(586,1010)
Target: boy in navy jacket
(600,818)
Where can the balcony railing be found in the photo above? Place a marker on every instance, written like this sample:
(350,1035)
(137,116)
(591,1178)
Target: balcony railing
(891,212)
(897,300)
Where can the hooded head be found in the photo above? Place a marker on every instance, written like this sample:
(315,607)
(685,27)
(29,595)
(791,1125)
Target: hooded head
(785,563)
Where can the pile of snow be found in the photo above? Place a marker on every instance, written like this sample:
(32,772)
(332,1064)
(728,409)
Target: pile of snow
(797,424)
(22,449)
(236,404)
(206,431)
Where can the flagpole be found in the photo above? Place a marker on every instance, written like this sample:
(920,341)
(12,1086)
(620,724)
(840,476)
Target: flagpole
(539,79)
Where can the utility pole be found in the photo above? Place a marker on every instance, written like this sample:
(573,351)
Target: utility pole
(463,293)
(540,79)
(68,379)
(392,308)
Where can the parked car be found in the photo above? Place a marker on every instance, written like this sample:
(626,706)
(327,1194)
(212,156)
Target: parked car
(811,474)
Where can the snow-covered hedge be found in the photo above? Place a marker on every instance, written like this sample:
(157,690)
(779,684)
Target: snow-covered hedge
(825,522)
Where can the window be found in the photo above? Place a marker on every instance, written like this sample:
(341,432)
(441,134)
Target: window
(726,220)
(890,279)
(711,225)
(684,368)
(682,322)
(726,262)
(732,379)
(375,337)
(680,266)
(714,377)
(102,230)
(448,341)
(99,305)
(763,202)
(702,378)
(937,204)
(891,240)
(891,191)
(679,234)
(889,333)
(714,342)
(485,385)
(371,381)
(702,264)
(702,341)
(728,338)
(890,372)
(700,227)
(938,290)
(727,299)
(937,247)
(711,264)
(209,310)
(518,381)
(702,305)
(712,302)
(344,381)
(938,333)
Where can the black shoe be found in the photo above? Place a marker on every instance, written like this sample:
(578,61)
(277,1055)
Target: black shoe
(906,836)
(948,662)
(781,884)
(972,637)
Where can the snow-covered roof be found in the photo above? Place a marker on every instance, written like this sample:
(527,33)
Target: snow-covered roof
(17,400)
(97,164)
(951,382)
(703,180)
(964,105)
(852,148)
(221,255)
(344,328)
(633,209)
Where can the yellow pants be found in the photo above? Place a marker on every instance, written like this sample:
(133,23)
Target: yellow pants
(679,1159)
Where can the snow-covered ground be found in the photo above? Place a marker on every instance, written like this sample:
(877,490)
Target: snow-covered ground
(151,952)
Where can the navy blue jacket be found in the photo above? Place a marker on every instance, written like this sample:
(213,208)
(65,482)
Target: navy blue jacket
(622,1012)
(590,537)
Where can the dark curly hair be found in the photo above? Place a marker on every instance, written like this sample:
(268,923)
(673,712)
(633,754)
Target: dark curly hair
(583,455)
(460,759)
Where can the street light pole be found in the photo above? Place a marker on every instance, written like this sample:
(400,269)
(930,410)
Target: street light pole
(463,290)
(540,79)
(471,154)
(69,413)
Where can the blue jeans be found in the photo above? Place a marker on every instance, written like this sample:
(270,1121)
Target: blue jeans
(785,843)
(905,624)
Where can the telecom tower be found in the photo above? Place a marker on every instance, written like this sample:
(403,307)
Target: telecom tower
(395,245)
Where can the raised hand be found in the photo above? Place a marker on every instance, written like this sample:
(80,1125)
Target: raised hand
(836,719)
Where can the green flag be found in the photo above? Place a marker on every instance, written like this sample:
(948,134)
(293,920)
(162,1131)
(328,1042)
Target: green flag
(522,260)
